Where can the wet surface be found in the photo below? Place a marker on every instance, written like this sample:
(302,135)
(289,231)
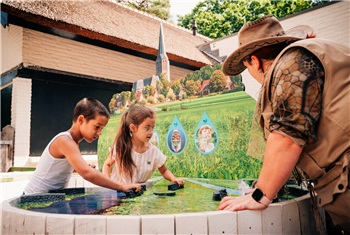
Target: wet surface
(88,204)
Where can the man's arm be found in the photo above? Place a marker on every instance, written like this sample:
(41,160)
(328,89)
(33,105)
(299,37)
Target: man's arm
(281,156)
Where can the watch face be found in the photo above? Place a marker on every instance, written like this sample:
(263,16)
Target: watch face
(257,194)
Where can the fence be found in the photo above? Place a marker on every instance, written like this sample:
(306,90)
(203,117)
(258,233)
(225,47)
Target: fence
(7,147)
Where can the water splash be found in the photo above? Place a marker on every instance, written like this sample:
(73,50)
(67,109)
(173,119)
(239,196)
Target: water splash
(243,187)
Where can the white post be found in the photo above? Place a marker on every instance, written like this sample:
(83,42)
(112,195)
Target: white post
(20,118)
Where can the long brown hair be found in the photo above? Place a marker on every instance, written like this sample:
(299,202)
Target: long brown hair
(122,142)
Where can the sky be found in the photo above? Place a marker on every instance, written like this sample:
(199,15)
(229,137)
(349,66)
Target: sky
(181,7)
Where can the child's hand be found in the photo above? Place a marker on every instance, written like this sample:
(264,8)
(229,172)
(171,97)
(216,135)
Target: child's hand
(128,187)
(179,181)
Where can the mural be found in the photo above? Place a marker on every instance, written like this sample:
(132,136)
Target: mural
(176,137)
(206,136)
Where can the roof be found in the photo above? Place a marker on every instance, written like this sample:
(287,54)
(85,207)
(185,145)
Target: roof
(142,83)
(113,23)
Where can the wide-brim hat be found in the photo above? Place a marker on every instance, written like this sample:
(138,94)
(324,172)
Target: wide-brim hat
(260,33)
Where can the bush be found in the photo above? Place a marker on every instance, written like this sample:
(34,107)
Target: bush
(171,96)
(161,98)
(150,100)
(143,101)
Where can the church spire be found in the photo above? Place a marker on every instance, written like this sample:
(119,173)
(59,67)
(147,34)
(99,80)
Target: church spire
(162,62)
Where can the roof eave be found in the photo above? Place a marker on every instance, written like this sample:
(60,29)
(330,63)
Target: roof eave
(43,21)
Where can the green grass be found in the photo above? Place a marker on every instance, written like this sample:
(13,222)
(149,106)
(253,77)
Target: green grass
(230,113)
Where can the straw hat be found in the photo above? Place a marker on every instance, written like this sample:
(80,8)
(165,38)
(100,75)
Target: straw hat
(262,32)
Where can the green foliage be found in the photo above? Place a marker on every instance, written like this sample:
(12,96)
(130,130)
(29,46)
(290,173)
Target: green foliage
(111,105)
(237,81)
(125,97)
(148,90)
(176,87)
(231,114)
(150,100)
(158,8)
(171,96)
(217,81)
(202,74)
(219,18)
(163,85)
(161,98)
(143,101)
(191,87)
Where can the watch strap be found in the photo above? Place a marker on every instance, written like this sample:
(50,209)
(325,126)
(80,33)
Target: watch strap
(265,201)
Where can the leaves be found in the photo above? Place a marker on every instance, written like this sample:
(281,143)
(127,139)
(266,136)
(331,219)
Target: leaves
(219,18)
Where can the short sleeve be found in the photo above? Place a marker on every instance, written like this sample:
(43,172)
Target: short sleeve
(159,157)
(296,95)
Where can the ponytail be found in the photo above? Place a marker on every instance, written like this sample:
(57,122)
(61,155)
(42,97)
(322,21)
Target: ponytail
(123,148)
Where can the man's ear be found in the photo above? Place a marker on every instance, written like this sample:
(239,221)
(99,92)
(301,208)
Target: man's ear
(256,62)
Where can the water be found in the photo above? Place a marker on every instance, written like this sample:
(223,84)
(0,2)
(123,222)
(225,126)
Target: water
(192,198)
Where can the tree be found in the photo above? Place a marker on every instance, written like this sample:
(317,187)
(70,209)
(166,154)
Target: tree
(163,85)
(191,87)
(158,8)
(217,81)
(111,105)
(176,87)
(219,18)
(237,81)
(148,90)
(125,97)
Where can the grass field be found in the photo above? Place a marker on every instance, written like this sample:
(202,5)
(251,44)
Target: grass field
(230,113)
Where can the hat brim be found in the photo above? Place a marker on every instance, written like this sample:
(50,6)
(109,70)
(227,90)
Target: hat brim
(233,64)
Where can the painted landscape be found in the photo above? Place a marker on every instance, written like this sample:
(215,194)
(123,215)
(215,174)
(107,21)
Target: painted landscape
(230,113)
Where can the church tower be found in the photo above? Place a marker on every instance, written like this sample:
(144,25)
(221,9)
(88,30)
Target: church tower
(162,62)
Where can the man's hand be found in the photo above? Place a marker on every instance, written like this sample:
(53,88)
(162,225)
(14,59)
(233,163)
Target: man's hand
(245,202)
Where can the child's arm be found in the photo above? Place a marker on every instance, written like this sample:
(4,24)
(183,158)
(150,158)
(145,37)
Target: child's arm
(64,146)
(169,176)
(106,168)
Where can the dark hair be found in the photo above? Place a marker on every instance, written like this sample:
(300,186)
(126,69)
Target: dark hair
(267,53)
(89,108)
(135,115)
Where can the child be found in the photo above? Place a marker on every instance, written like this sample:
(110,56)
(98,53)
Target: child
(62,154)
(204,140)
(133,156)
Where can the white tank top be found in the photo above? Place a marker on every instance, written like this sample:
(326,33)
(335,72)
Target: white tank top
(50,173)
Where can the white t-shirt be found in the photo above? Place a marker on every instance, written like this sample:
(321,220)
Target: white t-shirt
(146,163)
(50,173)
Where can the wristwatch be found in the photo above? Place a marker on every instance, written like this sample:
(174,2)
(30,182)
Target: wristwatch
(259,196)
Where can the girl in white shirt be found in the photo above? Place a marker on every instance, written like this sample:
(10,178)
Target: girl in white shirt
(133,156)
(62,154)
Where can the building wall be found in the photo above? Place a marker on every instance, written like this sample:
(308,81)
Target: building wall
(329,22)
(11,47)
(63,54)
(36,49)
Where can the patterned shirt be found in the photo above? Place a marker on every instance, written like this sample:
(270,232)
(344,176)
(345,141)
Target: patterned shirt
(296,95)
